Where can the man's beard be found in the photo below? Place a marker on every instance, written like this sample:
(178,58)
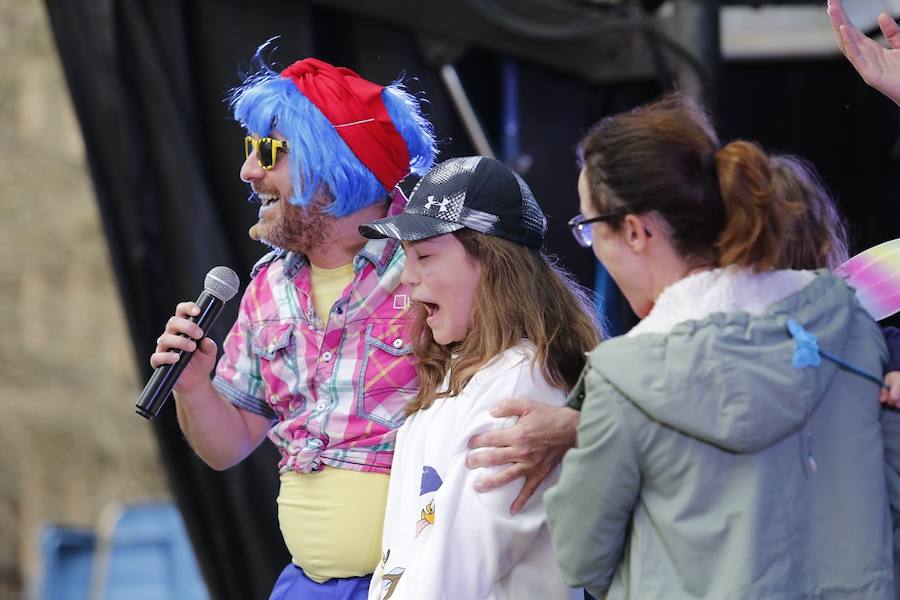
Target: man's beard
(296,228)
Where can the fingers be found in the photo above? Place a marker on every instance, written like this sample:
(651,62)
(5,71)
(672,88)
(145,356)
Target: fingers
(888,399)
(158,359)
(180,334)
(167,344)
(890,29)
(531,484)
(500,478)
(497,438)
(834,6)
(187,309)
(207,346)
(511,407)
(173,340)
(496,457)
(533,479)
(891,396)
(853,48)
(838,17)
(181,325)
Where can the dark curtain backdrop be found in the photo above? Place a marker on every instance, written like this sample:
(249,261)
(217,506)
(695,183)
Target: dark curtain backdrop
(148,82)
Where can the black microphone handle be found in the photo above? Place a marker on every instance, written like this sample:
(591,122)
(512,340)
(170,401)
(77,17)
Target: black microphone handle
(157,390)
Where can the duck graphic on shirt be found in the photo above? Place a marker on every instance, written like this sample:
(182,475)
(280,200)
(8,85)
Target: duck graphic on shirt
(431,482)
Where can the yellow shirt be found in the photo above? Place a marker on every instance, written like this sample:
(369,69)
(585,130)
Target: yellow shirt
(327,285)
(331,520)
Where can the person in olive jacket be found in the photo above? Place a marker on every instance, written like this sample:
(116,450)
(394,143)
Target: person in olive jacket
(719,455)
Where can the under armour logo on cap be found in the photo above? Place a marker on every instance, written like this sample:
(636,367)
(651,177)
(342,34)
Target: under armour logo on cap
(442,204)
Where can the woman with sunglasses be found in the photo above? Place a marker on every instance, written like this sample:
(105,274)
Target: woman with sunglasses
(319,359)
(718,456)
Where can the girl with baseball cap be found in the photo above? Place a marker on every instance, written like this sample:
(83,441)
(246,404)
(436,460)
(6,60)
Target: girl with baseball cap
(496,319)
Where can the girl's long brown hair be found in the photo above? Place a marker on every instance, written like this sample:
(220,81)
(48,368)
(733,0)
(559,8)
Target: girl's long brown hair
(521,294)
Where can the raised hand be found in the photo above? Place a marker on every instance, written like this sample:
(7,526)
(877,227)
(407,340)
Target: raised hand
(878,66)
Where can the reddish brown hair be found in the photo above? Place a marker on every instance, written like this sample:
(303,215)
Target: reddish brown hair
(725,205)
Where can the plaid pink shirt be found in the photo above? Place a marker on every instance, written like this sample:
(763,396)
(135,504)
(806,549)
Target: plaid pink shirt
(337,390)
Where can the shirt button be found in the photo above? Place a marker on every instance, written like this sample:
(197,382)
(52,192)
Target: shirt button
(320,406)
(327,356)
(398,343)
(273,399)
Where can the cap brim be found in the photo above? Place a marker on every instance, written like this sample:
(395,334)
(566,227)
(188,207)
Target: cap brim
(408,227)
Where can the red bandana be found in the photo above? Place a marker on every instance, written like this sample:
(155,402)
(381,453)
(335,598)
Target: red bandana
(355,109)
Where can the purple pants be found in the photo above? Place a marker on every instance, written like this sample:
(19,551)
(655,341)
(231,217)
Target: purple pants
(293,584)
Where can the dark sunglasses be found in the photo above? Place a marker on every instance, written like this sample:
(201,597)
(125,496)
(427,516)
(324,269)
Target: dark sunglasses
(266,149)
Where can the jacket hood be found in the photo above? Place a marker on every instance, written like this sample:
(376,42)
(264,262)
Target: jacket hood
(729,378)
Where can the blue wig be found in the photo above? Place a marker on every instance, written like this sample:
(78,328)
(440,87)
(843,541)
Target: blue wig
(318,156)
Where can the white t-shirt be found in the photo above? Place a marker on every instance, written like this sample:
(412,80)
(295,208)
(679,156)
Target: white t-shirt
(444,540)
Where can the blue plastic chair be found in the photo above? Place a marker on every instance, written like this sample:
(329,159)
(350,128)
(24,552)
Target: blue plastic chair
(145,554)
(67,560)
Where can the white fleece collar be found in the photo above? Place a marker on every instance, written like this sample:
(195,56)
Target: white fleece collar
(720,290)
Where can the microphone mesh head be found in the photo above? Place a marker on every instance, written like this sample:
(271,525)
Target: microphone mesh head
(221,282)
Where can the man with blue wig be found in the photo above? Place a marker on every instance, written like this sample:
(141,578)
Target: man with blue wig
(319,358)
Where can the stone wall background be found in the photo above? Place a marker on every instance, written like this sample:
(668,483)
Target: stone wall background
(70,443)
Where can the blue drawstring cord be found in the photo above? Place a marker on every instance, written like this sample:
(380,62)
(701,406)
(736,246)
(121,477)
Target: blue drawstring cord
(807,354)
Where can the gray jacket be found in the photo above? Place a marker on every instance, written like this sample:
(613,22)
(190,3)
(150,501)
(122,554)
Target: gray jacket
(708,466)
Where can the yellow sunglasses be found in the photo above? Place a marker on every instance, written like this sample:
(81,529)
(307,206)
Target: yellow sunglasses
(266,149)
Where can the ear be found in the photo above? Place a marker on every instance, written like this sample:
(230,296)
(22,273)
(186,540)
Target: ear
(635,232)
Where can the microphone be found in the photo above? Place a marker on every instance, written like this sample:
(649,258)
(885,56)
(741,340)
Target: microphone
(220,286)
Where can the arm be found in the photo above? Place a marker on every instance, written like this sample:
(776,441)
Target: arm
(220,433)
(531,448)
(474,542)
(878,66)
(589,510)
